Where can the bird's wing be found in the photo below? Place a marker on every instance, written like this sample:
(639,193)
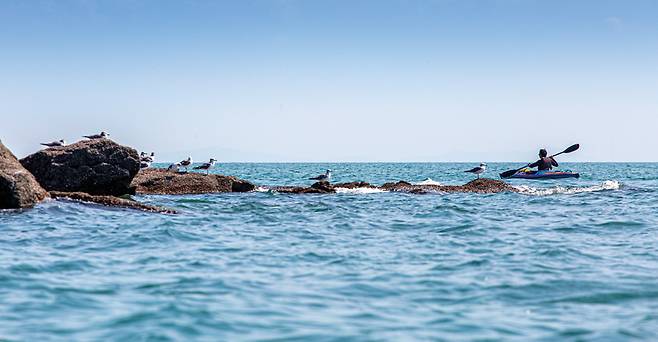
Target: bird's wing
(473,169)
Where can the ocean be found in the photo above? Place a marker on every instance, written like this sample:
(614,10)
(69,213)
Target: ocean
(563,260)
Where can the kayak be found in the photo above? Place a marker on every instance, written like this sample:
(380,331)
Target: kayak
(545,174)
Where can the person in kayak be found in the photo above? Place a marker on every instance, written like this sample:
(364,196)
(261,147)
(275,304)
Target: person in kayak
(545,162)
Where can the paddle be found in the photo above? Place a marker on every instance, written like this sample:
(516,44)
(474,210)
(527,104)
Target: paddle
(510,173)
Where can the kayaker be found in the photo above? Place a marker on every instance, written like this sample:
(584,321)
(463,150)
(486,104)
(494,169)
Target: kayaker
(545,162)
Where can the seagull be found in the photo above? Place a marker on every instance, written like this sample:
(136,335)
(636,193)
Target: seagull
(206,166)
(478,170)
(143,157)
(173,167)
(60,142)
(186,163)
(323,178)
(97,136)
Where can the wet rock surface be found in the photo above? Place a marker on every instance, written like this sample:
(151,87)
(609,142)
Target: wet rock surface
(18,187)
(164,182)
(482,186)
(109,201)
(97,167)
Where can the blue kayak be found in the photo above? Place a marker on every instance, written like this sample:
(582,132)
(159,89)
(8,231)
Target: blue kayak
(545,174)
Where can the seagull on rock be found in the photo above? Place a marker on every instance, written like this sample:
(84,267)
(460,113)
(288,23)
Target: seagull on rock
(186,163)
(206,166)
(97,136)
(323,178)
(60,142)
(173,167)
(478,170)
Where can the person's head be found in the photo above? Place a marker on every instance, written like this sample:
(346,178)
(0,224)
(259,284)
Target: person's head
(542,153)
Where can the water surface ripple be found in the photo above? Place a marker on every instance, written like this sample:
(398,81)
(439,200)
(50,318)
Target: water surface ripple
(569,260)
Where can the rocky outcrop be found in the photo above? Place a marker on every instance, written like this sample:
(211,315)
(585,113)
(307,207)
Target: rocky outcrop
(481,186)
(110,201)
(18,188)
(97,167)
(164,182)
(316,188)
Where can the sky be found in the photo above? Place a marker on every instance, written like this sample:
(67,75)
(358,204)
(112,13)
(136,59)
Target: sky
(286,80)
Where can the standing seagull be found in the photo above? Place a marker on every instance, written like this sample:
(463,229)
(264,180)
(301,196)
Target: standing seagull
(206,166)
(60,142)
(97,136)
(323,178)
(478,170)
(186,163)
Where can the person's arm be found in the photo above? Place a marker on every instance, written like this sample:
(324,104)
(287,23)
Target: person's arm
(553,162)
(535,164)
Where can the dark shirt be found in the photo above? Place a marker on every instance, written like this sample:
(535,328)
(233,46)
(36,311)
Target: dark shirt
(545,163)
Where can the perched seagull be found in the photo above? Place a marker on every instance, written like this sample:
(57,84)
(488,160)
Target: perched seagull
(97,136)
(323,178)
(144,164)
(144,158)
(173,167)
(55,143)
(206,166)
(478,170)
(186,163)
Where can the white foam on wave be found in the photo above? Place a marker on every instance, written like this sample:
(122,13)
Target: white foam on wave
(427,181)
(359,191)
(605,186)
(261,189)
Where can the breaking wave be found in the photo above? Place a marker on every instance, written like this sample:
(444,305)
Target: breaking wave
(359,191)
(428,181)
(605,186)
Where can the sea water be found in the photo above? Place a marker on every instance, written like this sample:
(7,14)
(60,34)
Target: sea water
(571,259)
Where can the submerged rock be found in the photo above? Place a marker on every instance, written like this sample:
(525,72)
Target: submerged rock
(18,187)
(481,186)
(110,201)
(97,167)
(164,182)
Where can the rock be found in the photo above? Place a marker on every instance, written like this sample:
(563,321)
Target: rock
(163,182)
(18,188)
(110,201)
(482,186)
(322,187)
(354,185)
(97,167)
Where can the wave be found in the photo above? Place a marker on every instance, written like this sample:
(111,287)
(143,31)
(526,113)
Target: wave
(359,191)
(605,186)
(427,181)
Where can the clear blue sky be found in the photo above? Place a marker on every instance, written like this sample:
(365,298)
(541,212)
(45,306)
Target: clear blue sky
(334,80)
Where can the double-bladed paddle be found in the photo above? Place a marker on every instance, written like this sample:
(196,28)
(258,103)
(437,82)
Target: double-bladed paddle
(510,173)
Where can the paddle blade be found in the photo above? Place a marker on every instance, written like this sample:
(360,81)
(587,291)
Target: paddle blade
(572,148)
(508,173)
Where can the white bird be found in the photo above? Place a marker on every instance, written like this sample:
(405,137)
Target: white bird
(323,178)
(206,166)
(97,136)
(173,167)
(478,170)
(186,163)
(60,142)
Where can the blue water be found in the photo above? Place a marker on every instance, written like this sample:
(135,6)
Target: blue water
(574,259)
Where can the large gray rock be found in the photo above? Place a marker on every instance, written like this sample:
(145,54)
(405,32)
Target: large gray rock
(18,188)
(97,167)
